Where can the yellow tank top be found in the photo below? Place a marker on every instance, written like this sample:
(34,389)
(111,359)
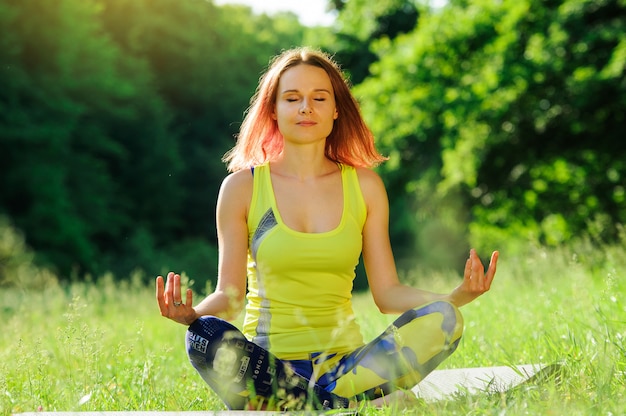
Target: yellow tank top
(300,284)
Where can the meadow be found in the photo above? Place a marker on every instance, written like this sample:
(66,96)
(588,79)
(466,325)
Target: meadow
(102,345)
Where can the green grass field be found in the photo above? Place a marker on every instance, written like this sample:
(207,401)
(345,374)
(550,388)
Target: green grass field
(103,346)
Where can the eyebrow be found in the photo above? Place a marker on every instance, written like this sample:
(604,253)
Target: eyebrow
(297,91)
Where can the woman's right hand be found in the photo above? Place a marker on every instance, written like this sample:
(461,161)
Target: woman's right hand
(169,298)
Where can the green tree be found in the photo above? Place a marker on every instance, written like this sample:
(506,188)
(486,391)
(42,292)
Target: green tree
(206,61)
(78,125)
(115,115)
(508,120)
(360,24)
(560,137)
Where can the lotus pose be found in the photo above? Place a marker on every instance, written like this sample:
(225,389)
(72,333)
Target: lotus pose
(298,209)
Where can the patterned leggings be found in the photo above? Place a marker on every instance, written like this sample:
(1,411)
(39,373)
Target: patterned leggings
(245,375)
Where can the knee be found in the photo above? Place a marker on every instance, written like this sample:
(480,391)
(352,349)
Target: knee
(452,322)
(203,334)
(450,317)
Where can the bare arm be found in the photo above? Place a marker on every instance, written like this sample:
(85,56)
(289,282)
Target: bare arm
(232,234)
(390,295)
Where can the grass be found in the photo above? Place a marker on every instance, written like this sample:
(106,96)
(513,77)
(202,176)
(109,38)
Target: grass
(104,347)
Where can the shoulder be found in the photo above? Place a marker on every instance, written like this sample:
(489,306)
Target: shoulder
(370,181)
(237,188)
(240,179)
(372,186)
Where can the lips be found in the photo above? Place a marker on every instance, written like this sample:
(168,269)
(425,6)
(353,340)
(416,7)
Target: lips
(306,123)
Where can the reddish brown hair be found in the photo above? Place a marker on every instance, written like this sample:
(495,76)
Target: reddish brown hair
(350,141)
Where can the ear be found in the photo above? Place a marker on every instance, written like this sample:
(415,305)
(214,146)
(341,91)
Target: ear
(336,115)
(274,116)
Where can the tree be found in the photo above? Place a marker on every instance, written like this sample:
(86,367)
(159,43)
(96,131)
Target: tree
(114,117)
(509,118)
(560,138)
(67,109)
(206,61)
(361,23)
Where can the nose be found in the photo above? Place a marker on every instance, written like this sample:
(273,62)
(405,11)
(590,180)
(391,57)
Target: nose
(305,108)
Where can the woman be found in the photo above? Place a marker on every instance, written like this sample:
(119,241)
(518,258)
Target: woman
(299,208)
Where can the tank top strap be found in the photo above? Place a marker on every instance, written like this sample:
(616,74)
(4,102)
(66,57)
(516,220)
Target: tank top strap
(262,195)
(355,203)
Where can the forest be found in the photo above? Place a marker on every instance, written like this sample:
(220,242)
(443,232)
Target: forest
(504,124)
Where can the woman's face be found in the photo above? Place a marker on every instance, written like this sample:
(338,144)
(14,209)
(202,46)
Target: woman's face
(305,107)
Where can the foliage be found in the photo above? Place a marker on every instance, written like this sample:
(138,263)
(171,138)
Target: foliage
(102,346)
(360,23)
(113,119)
(58,143)
(509,119)
(502,120)
(17,269)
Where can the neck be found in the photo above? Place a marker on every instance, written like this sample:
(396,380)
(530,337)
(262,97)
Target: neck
(303,164)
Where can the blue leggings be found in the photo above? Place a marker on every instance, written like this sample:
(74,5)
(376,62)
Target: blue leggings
(245,375)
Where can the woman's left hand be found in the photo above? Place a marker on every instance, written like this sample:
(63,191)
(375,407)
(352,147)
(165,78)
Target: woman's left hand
(475,280)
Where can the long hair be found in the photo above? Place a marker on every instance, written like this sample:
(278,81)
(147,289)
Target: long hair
(350,142)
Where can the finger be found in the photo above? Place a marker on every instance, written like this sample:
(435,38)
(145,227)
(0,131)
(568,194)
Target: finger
(491,271)
(176,293)
(189,299)
(468,280)
(169,288)
(159,294)
(159,287)
(478,272)
(468,269)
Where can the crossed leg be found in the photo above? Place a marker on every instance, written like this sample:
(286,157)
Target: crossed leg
(244,374)
(399,358)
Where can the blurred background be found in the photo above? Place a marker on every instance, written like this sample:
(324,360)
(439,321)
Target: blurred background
(504,122)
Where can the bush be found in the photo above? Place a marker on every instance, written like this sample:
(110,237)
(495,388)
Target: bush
(16,261)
